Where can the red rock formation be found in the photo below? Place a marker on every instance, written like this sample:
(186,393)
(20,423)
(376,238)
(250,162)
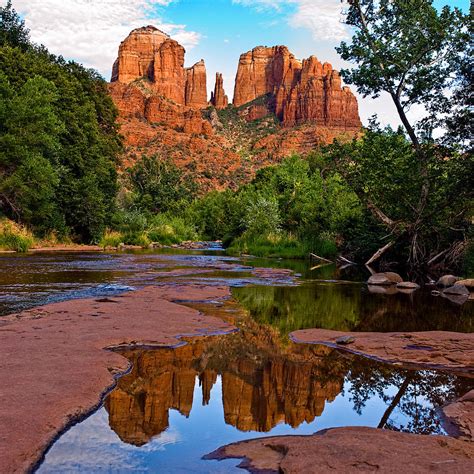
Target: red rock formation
(148,53)
(162,109)
(196,86)
(298,92)
(218,98)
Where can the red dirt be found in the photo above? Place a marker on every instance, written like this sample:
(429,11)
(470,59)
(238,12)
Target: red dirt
(352,449)
(54,369)
(431,349)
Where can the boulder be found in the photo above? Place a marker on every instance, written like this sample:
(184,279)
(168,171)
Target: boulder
(447,280)
(468,283)
(385,278)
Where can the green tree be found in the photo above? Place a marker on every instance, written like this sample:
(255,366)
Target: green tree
(78,159)
(158,185)
(411,51)
(29,147)
(12,28)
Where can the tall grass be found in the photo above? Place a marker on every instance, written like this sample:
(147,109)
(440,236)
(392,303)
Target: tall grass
(15,237)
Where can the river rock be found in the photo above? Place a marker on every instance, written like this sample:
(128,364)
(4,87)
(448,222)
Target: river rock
(447,280)
(344,340)
(385,278)
(408,285)
(468,283)
(456,290)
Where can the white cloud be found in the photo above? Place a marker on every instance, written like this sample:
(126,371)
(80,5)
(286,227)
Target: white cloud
(90,31)
(322,17)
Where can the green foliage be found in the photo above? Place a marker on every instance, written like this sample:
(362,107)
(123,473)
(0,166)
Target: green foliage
(384,171)
(288,210)
(418,191)
(158,185)
(59,140)
(169,230)
(12,28)
(14,237)
(408,49)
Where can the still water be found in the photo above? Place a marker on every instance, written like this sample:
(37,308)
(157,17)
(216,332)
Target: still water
(177,405)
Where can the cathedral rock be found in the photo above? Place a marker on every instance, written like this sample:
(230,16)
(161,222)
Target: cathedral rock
(299,91)
(281,106)
(151,54)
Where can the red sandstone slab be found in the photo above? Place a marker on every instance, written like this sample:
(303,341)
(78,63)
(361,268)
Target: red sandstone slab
(54,369)
(352,449)
(431,349)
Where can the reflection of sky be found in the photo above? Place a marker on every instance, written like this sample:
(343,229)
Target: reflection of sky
(92,446)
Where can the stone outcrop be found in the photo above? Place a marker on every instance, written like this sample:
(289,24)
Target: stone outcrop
(151,55)
(300,92)
(163,109)
(351,450)
(196,86)
(218,98)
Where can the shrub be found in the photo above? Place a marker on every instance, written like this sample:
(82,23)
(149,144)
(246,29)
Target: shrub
(15,237)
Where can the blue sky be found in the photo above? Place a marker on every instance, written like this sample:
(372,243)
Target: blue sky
(218,31)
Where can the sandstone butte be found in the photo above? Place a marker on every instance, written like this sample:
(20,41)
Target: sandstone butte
(164,108)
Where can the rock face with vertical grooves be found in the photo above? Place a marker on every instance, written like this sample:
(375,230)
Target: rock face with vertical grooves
(300,92)
(150,55)
(282,106)
(218,98)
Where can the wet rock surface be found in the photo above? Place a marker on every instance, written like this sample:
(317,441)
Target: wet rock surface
(460,417)
(351,449)
(440,349)
(67,367)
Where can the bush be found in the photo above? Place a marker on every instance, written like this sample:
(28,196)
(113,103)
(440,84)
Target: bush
(170,230)
(15,237)
(111,238)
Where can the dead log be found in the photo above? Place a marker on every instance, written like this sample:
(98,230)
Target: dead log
(345,260)
(313,255)
(379,253)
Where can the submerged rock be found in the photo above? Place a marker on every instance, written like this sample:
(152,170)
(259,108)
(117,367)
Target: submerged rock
(456,290)
(408,285)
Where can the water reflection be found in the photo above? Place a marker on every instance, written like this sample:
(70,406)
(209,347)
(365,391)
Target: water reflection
(178,404)
(265,384)
(350,307)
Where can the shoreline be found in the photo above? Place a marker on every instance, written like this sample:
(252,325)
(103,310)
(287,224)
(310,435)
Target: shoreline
(438,350)
(68,347)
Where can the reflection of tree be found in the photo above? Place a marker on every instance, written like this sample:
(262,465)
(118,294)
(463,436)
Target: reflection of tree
(420,394)
(348,308)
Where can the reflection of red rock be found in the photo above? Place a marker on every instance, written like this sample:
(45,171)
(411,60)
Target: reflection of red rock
(352,449)
(256,394)
(307,91)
